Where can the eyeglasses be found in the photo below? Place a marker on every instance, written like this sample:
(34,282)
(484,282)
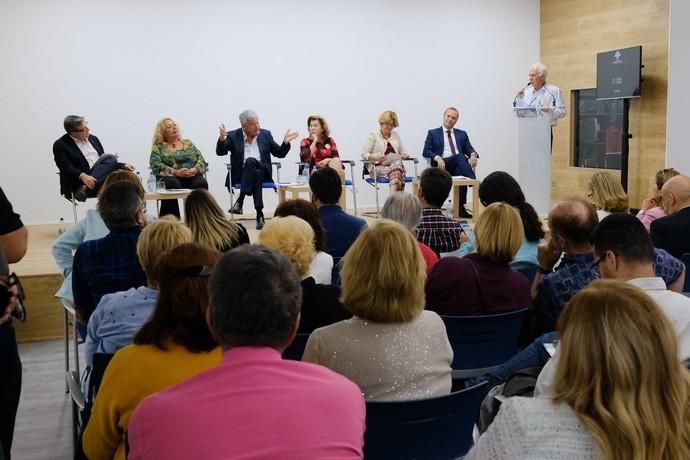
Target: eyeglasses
(84,128)
(596,263)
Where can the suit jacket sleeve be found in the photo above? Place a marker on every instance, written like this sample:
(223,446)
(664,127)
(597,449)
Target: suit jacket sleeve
(222,147)
(428,143)
(278,150)
(61,156)
(466,147)
(658,231)
(369,146)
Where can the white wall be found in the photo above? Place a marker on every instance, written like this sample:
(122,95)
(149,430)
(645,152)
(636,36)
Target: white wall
(677,132)
(126,64)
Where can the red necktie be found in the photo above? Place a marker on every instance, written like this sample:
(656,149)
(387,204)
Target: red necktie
(452,145)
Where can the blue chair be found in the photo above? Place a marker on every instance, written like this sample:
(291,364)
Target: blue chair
(481,343)
(434,428)
(349,183)
(374,180)
(685,258)
(264,185)
(526,268)
(295,350)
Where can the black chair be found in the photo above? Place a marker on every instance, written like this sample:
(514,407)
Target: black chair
(685,258)
(83,402)
(295,350)
(481,343)
(434,428)
(526,268)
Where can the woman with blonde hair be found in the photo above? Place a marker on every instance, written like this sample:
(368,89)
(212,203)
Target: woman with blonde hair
(294,238)
(607,194)
(119,316)
(209,225)
(651,206)
(177,161)
(385,149)
(392,348)
(482,283)
(319,149)
(620,391)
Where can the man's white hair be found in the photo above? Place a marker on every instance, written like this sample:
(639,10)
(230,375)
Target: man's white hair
(246,115)
(541,69)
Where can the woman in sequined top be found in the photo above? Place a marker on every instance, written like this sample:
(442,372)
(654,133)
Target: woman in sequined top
(319,149)
(177,161)
(392,348)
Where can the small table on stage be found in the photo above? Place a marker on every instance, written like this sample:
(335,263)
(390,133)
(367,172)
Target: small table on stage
(295,189)
(459,181)
(173,194)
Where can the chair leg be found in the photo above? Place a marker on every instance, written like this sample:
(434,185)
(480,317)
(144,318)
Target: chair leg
(74,208)
(376,190)
(66,321)
(75,332)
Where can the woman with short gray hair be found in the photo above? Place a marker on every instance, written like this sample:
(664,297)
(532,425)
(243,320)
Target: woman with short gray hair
(406,209)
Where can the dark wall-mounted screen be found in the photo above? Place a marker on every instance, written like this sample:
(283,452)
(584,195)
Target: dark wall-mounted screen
(618,73)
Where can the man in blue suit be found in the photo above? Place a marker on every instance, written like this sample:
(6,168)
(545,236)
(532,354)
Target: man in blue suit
(250,150)
(450,149)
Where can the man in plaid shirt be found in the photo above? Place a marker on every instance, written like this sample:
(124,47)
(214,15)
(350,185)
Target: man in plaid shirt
(438,231)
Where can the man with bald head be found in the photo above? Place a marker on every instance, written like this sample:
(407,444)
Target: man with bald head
(672,232)
(571,222)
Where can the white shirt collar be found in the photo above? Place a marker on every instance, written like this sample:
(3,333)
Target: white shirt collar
(78,141)
(648,284)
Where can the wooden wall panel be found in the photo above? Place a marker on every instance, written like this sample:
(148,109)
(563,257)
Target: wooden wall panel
(572,33)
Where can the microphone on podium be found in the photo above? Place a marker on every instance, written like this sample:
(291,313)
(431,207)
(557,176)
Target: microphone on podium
(523,89)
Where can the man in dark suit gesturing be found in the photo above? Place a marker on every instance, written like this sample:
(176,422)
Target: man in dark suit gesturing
(250,150)
(450,149)
(672,232)
(79,157)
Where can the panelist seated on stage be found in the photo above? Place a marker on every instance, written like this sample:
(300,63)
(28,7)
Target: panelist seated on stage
(319,149)
(81,160)
(541,96)
(387,151)
(177,161)
(250,150)
(450,149)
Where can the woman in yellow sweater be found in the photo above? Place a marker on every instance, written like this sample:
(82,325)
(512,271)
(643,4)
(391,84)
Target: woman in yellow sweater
(173,345)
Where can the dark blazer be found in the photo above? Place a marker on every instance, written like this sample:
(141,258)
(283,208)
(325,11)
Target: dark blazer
(320,306)
(234,143)
(342,229)
(672,233)
(71,162)
(433,145)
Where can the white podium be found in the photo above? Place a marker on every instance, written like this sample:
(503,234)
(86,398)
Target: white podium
(534,159)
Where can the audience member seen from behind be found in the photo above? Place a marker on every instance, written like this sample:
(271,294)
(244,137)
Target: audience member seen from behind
(173,345)
(341,228)
(385,149)
(319,149)
(607,194)
(620,391)
(438,231)
(255,301)
(383,286)
(570,223)
(671,232)
(294,238)
(652,208)
(406,209)
(482,283)
(322,267)
(110,264)
(501,186)
(209,225)
(624,251)
(119,316)
(177,161)
(13,244)
(89,228)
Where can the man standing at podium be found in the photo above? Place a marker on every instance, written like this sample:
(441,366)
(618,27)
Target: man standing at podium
(450,149)
(541,96)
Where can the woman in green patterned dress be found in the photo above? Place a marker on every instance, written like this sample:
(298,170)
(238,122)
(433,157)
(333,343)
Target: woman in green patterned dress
(177,161)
